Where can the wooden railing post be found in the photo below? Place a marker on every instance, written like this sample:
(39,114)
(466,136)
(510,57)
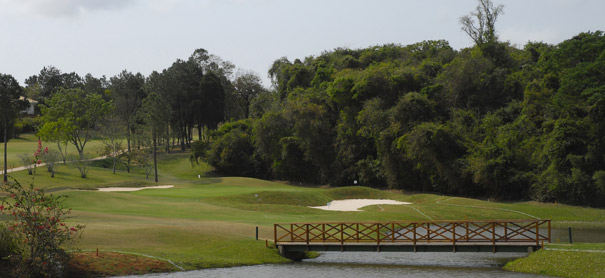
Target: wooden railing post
(291,232)
(357,233)
(414,237)
(307,229)
(494,236)
(467,231)
(428,231)
(275,234)
(548,231)
(537,233)
(505,231)
(323,232)
(454,236)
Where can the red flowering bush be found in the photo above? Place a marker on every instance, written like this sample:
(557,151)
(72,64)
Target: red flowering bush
(38,221)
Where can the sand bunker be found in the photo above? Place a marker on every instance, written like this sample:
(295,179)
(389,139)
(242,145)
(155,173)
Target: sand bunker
(125,189)
(356,204)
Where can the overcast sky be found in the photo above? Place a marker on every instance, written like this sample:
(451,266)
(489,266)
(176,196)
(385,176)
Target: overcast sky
(104,37)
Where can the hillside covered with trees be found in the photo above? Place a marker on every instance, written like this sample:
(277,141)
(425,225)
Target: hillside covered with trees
(493,120)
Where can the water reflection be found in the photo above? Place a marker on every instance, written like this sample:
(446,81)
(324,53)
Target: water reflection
(365,264)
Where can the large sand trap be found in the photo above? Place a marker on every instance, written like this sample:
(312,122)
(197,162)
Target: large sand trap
(356,204)
(124,189)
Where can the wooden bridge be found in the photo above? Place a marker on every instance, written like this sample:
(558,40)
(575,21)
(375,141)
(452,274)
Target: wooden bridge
(292,240)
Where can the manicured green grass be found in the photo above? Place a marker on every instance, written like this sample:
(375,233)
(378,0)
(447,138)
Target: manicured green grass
(210,221)
(28,144)
(575,260)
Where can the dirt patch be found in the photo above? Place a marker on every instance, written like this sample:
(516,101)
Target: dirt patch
(88,264)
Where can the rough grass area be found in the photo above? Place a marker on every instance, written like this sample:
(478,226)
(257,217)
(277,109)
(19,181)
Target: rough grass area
(88,264)
(28,143)
(583,260)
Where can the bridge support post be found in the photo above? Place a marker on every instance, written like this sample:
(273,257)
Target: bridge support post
(291,255)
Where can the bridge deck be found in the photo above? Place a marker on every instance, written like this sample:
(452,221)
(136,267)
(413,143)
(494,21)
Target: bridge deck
(409,236)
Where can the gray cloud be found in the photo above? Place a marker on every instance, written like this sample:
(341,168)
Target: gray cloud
(62,8)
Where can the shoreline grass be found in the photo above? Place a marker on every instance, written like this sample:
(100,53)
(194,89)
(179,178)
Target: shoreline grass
(564,260)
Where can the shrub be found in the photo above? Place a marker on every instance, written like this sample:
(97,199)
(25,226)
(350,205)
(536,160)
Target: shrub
(39,224)
(8,243)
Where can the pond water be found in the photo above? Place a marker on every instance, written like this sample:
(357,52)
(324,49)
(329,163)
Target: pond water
(385,264)
(366,264)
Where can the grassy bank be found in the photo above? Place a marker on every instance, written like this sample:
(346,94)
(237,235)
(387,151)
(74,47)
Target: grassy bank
(210,222)
(564,260)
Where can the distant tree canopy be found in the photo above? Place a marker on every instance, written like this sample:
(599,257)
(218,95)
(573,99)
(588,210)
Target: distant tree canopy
(502,122)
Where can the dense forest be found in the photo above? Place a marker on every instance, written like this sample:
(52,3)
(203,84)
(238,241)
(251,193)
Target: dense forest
(492,120)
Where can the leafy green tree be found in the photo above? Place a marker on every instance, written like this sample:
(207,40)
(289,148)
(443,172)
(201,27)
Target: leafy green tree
(183,93)
(268,131)
(77,114)
(95,85)
(293,164)
(10,107)
(51,157)
(56,131)
(287,76)
(127,92)
(232,152)
(50,80)
(113,131)
(213,95)
(248,87)
(154,114)
(437,152)
(157,83)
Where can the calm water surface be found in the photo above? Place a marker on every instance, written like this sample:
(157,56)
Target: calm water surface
(367,264)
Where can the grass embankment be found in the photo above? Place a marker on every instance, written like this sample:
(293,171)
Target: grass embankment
(93,264)
(210,222)
(564,260)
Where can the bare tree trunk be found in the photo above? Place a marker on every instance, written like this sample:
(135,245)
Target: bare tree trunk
(128,143)
(114,156)
(199,132)
(183,138)
(155,157)
(5,176)
(167,139)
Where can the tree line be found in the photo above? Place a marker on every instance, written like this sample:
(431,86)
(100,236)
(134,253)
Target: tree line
(161,110)
(492,120)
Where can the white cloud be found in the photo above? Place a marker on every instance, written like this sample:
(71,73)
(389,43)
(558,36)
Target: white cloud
(60,8)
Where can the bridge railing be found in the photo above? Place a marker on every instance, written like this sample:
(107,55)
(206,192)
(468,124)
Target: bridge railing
(413,232)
